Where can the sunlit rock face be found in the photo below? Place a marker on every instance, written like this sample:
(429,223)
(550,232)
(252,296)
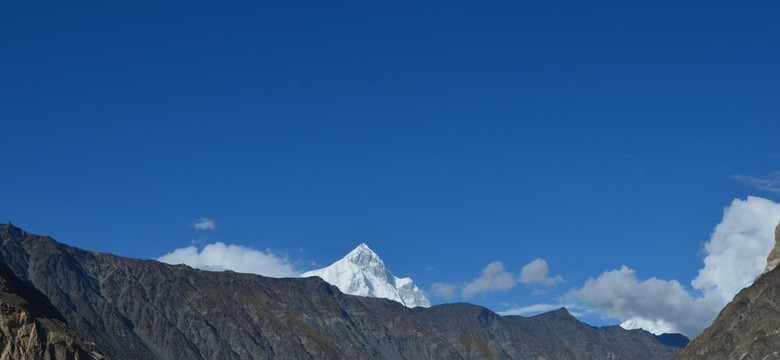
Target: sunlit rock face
(774,256)
(32,328)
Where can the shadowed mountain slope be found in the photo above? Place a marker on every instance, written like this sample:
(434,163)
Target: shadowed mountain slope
(142,309)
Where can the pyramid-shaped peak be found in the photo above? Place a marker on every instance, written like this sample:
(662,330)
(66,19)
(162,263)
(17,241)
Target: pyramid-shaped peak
(562,313)
(364,257)
(559,313)
(363,273)
(363,248)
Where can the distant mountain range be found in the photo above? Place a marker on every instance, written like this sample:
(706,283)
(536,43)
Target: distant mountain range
(145,309)
(363,273)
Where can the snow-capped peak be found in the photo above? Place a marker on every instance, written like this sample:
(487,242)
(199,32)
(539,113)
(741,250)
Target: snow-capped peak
(657,327)
(361,272)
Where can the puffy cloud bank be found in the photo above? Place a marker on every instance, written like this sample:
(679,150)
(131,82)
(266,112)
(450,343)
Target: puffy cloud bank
(654,305)
(221,257)
(737,251)
(735,254)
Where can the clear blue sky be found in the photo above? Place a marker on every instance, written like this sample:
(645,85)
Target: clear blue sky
(446,135)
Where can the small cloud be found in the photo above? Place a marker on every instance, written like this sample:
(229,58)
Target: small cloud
(536,273)
(221,257)
(494,277)
(204,224)
(770,183)
(199,240)
(443,290)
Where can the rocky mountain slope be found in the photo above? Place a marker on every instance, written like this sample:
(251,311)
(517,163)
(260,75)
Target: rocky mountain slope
(142,309)
(31,328)
(749,326)
(363,273)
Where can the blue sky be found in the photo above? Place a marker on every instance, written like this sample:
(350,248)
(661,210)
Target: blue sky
(446,135)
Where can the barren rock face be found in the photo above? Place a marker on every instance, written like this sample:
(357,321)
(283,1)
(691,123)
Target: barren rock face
(31,328)
(774,256)
(746,329)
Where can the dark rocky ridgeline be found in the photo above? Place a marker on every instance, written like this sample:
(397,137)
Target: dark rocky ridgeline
(141,309)
(31,328)
(749,326)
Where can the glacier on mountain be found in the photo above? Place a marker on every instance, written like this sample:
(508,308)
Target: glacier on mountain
(363,273)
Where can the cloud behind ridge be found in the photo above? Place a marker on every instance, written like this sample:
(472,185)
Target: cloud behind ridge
(220,257)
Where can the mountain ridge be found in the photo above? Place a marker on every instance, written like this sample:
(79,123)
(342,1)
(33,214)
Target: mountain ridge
(145,309)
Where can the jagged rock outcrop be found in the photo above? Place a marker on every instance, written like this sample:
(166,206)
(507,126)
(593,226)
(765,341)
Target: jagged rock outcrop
(31,328)
(749,326)
(141,309)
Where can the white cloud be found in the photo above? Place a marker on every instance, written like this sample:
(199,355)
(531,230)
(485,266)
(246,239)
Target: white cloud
(536,272)
(220,257)
(735,254)
(770,183)
(204,224)
(620,294)
(494,277)
(737,250)
(538,309)
(443,290)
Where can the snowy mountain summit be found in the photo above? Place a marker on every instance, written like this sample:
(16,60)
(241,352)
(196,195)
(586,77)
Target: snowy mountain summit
(363,273)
